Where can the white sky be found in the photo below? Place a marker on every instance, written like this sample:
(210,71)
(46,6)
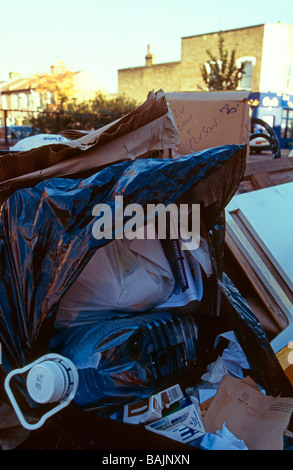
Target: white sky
(104,36)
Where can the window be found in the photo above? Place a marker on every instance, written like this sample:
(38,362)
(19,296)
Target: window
(287,124)
(213,69)
(35,99)
(289,78)
(14,101)
(246,80)
(22,101)
(4,102)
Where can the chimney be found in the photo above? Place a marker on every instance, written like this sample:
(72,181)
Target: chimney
(150,59)
(13,75)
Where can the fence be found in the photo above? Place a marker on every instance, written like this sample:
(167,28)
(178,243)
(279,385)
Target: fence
(18,124)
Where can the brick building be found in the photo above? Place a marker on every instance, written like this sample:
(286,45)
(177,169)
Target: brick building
(266,49)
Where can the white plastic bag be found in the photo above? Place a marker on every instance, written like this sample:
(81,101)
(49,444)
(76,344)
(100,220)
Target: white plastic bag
(125,274)
(38,140)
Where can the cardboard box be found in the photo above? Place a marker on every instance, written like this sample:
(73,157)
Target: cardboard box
(183,425)
(150,409)
(147,131)
(144,411)
(210,119)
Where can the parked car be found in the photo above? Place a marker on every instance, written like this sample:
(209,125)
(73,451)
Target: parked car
(259,144)
(263,138)
(15,134)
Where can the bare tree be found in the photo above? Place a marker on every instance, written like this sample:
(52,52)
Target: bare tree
(221,73)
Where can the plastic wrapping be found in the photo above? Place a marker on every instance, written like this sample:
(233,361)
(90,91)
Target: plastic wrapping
(252,338)
(125,357)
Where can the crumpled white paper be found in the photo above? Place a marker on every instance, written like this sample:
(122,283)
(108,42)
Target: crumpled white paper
(222,440)
(232,361)
(215,372)
(234,358)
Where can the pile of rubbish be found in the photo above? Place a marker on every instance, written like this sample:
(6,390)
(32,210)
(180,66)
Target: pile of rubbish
(102,309)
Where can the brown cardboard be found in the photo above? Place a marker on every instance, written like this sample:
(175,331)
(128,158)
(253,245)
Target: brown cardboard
(210,119)
(150,409)
(285,356)
(148,130)
(259,420)
(143,411)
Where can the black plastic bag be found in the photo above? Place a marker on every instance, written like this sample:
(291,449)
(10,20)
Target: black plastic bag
(46,235)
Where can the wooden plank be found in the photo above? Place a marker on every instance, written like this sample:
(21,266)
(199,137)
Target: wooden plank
(260,174)
(270,303)
(266,173)
(245,187)
(268,166)
(281,177)
(268,214)
(238,218)
(261,180)
(263,315)
(266,285)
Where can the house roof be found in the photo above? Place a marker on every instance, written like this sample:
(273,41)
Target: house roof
(83,80)
(17,84)
(237,29)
